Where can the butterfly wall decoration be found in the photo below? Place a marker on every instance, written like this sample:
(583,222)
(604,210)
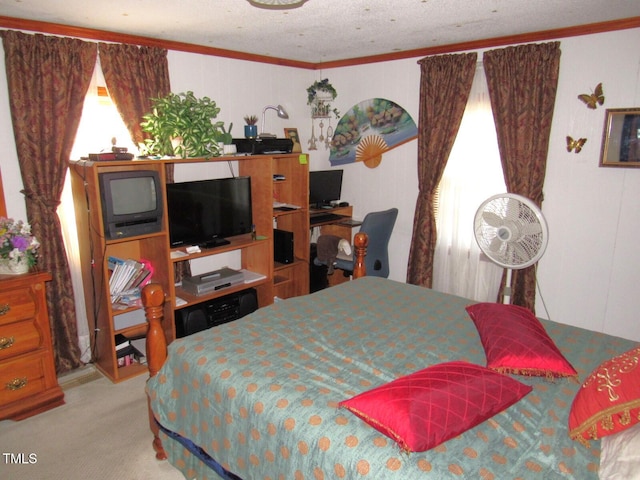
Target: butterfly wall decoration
(575,145)
(596,98)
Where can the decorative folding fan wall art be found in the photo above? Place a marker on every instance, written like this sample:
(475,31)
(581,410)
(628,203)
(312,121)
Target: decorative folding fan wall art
(369,129)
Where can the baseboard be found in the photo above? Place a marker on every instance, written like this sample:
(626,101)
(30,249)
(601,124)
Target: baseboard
(79,376)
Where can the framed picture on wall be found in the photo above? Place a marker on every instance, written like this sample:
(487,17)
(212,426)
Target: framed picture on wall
(292,134)
(621,138)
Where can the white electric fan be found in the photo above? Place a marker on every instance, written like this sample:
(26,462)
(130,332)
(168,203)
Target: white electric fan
(512,232)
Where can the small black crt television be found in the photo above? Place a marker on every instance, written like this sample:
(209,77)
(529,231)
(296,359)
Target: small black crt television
(131,203)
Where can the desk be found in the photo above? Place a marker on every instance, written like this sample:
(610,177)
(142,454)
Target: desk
(342,228)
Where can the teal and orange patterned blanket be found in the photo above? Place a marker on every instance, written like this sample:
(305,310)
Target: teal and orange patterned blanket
(260,395)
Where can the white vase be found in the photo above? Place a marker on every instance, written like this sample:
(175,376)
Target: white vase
(9,266)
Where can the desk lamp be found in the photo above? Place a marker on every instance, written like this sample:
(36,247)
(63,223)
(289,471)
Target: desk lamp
(281,114)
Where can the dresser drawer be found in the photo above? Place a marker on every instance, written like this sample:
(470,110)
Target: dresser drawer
(19,337)
(17,304)
(22,378)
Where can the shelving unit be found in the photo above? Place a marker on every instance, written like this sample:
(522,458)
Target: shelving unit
(282,281)
(292,280)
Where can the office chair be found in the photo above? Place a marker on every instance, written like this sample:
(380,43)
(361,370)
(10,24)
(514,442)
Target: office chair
(378,227)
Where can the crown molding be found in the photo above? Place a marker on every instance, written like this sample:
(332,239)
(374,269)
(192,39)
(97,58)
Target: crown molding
(107,36)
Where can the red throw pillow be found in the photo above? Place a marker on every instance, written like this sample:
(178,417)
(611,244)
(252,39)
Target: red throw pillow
(421,410)
(609,399)
(515,342)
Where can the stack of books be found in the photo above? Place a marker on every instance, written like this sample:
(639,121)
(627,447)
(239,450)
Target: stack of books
(126,278)
(130,351)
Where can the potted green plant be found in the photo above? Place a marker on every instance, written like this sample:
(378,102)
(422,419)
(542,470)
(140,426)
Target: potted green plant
(181,124)
(251,127)
(225,137)
(320,95)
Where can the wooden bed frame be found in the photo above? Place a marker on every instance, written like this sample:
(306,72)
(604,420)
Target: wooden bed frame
(153,299)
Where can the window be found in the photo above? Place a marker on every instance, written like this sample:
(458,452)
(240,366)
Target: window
(473,173)
(100,123)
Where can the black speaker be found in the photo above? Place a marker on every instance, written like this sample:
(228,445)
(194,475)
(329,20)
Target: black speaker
(248,303)
(196,318)
(190,320)
(282,246)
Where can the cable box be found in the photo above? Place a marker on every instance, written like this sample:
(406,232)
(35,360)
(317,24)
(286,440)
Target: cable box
(212,281)
(105,156)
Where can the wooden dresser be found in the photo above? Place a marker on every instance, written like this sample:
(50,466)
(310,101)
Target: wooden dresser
(28,382)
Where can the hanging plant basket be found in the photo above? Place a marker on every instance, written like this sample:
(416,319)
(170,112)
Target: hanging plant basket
(319,96)
(320,109)
(324,96)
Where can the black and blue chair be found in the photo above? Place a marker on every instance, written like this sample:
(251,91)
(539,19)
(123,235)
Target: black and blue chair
(378,226)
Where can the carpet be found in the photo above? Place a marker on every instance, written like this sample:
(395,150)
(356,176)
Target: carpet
(102,432)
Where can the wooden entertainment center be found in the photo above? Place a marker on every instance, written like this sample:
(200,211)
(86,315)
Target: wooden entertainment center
(257,252)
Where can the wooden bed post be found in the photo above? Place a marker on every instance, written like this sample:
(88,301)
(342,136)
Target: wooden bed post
(360,242)
(153,301)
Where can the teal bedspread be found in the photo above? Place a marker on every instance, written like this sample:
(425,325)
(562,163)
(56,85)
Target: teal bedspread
(260,394)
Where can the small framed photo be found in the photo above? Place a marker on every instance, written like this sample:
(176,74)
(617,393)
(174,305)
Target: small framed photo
(621,138)
(292,134)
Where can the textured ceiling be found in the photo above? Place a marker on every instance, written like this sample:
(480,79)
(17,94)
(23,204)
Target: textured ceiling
(322,30)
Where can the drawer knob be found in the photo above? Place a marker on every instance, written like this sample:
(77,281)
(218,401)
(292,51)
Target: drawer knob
(4,308)
(17,384)
(6,342)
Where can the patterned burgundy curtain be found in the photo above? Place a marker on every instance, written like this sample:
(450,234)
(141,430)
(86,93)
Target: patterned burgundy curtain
(522,84)
(444,90)
(134,75)
(48,78)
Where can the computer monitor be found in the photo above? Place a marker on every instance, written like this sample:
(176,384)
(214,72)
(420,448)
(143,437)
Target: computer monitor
(325,186)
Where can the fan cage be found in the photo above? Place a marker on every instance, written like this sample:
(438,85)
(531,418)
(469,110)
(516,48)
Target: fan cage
(511,230)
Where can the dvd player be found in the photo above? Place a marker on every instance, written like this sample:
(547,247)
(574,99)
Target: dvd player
(212,281)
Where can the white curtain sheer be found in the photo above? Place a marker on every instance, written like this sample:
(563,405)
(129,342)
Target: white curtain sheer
(99,124)
(473,173)
(66,214)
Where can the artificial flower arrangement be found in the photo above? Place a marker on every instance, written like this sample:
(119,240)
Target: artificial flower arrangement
(17,245)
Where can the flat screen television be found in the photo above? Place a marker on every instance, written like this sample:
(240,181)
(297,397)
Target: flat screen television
(325,186)
(131,203)
(204,212)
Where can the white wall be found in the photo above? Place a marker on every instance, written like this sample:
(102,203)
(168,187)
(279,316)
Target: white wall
(394,182)
(589,273)
(11,179)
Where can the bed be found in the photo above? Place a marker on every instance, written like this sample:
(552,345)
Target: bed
(260,397)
